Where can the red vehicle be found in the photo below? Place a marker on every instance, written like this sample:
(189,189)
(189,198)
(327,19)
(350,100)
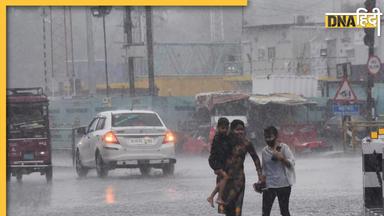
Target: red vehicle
(199,142)
(28,137)
(302,138)
(210,107)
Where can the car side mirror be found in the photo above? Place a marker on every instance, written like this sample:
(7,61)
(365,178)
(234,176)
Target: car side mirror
(81,131)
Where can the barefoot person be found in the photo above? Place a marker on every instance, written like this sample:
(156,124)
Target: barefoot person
(220,150)
(234,188)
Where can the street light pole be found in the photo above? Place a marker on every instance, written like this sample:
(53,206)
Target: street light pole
(102,11)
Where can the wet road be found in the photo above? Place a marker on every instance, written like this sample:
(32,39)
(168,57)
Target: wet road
(327,184)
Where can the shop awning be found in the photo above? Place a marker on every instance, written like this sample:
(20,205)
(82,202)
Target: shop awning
(281,99)
(211,99)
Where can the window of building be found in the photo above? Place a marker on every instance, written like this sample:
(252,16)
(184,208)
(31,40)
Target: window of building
(261,55)
(350,53)
(271,53)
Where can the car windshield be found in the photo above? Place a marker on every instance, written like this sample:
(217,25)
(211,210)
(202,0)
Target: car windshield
(27,121)
(135,119)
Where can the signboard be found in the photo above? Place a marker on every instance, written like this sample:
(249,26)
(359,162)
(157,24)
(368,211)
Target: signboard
(107,101)
(374,65)
(343,70)
(351,109)
(345,93)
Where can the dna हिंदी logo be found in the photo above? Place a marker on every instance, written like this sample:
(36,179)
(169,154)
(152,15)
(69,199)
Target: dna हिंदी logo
(361,19)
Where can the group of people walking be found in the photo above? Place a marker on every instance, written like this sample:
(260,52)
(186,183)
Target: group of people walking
(275,171)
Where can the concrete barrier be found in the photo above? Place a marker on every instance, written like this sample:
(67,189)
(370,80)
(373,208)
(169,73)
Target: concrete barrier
(372,173)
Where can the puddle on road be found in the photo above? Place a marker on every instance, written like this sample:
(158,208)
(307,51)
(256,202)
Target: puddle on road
(110,195)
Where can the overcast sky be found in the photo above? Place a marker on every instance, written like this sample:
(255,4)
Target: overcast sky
(171,24)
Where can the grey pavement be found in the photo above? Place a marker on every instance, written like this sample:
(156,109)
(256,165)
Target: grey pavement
(327,184)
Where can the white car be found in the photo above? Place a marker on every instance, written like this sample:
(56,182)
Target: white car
(125,139)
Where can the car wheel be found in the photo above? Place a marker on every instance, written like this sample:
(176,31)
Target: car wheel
(169,169)
(145,170)
(49,174)
(19,177)
(80,169)
(101,169)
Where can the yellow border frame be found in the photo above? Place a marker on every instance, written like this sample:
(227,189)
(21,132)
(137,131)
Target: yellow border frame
(3,82)
(3,63)
(128,2)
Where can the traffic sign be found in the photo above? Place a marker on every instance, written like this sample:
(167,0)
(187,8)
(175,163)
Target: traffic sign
(374,65)
(345,93)
(351,109)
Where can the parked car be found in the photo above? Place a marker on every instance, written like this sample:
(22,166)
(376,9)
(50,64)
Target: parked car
(302,138)
(125,139)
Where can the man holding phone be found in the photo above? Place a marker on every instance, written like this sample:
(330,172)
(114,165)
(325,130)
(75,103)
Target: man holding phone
(278,172)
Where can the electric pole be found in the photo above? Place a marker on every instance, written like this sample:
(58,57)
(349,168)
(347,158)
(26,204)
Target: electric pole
(51,40)
(369,40)
(105,57)
(66,47)
(90,52)
(151,76)
(73,74)
(129,41)
(44,16)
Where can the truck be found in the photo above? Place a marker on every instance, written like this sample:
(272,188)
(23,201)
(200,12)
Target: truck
(28,136)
